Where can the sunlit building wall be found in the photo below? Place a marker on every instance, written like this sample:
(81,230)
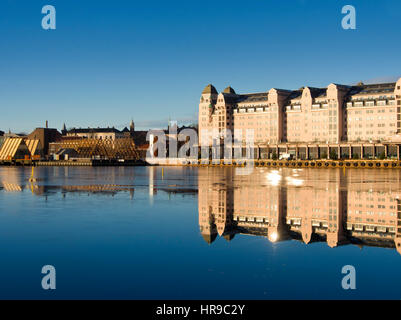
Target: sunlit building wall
(335,114)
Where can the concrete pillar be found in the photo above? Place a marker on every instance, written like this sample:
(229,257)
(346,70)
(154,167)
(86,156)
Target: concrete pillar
(277,151)
(398,152)
(338,152)
(307,153)
(385,150)
(328,152)
(296,152)
(350,152)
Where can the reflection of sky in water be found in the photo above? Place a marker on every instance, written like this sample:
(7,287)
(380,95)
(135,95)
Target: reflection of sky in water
(136,233)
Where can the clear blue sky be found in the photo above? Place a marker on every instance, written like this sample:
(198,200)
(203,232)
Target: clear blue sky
(110,61)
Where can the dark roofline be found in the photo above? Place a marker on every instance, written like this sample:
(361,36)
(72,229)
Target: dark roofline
(93,130)
(253,94)
(378,84)
(50,129)
(282,90)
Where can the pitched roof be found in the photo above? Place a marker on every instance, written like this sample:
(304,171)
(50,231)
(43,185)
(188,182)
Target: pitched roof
(209,89)
(374,88)
(229,90)
(253,97)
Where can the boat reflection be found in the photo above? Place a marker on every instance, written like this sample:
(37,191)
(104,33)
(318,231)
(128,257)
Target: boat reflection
(339,207)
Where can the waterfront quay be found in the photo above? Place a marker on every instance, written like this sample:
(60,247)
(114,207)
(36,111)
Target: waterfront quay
(369,155)
(339,151)
(75,163)
(319,163)
(388,164)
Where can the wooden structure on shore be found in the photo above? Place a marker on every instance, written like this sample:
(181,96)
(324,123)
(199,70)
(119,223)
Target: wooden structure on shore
(122,148)
(14,149)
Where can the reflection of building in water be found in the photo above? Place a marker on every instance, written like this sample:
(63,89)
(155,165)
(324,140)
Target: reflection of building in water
(215,200)
(374,211)
(258,212)
(317,212)
(45,190)
(339,207)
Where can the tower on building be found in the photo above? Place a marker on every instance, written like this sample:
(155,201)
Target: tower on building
(64,130)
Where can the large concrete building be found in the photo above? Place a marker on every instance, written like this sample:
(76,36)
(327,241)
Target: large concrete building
(335,114)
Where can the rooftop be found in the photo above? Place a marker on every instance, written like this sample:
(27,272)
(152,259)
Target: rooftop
(252,97)
(374,88)
(209,89)
(229,90)
(94,130)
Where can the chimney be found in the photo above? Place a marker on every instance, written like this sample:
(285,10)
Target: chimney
(47,124)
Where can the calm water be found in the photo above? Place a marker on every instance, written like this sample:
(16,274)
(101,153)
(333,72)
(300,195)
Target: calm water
(189,233)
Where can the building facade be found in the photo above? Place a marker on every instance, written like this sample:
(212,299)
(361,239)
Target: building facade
(96,133)
(100,133)
(335,114)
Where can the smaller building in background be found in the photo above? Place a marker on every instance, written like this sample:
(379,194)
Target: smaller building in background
(100,133)
(45,136)
(96,133)
(10,134)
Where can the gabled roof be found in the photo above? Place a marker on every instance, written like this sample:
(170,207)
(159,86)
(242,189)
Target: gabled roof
(316,92)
